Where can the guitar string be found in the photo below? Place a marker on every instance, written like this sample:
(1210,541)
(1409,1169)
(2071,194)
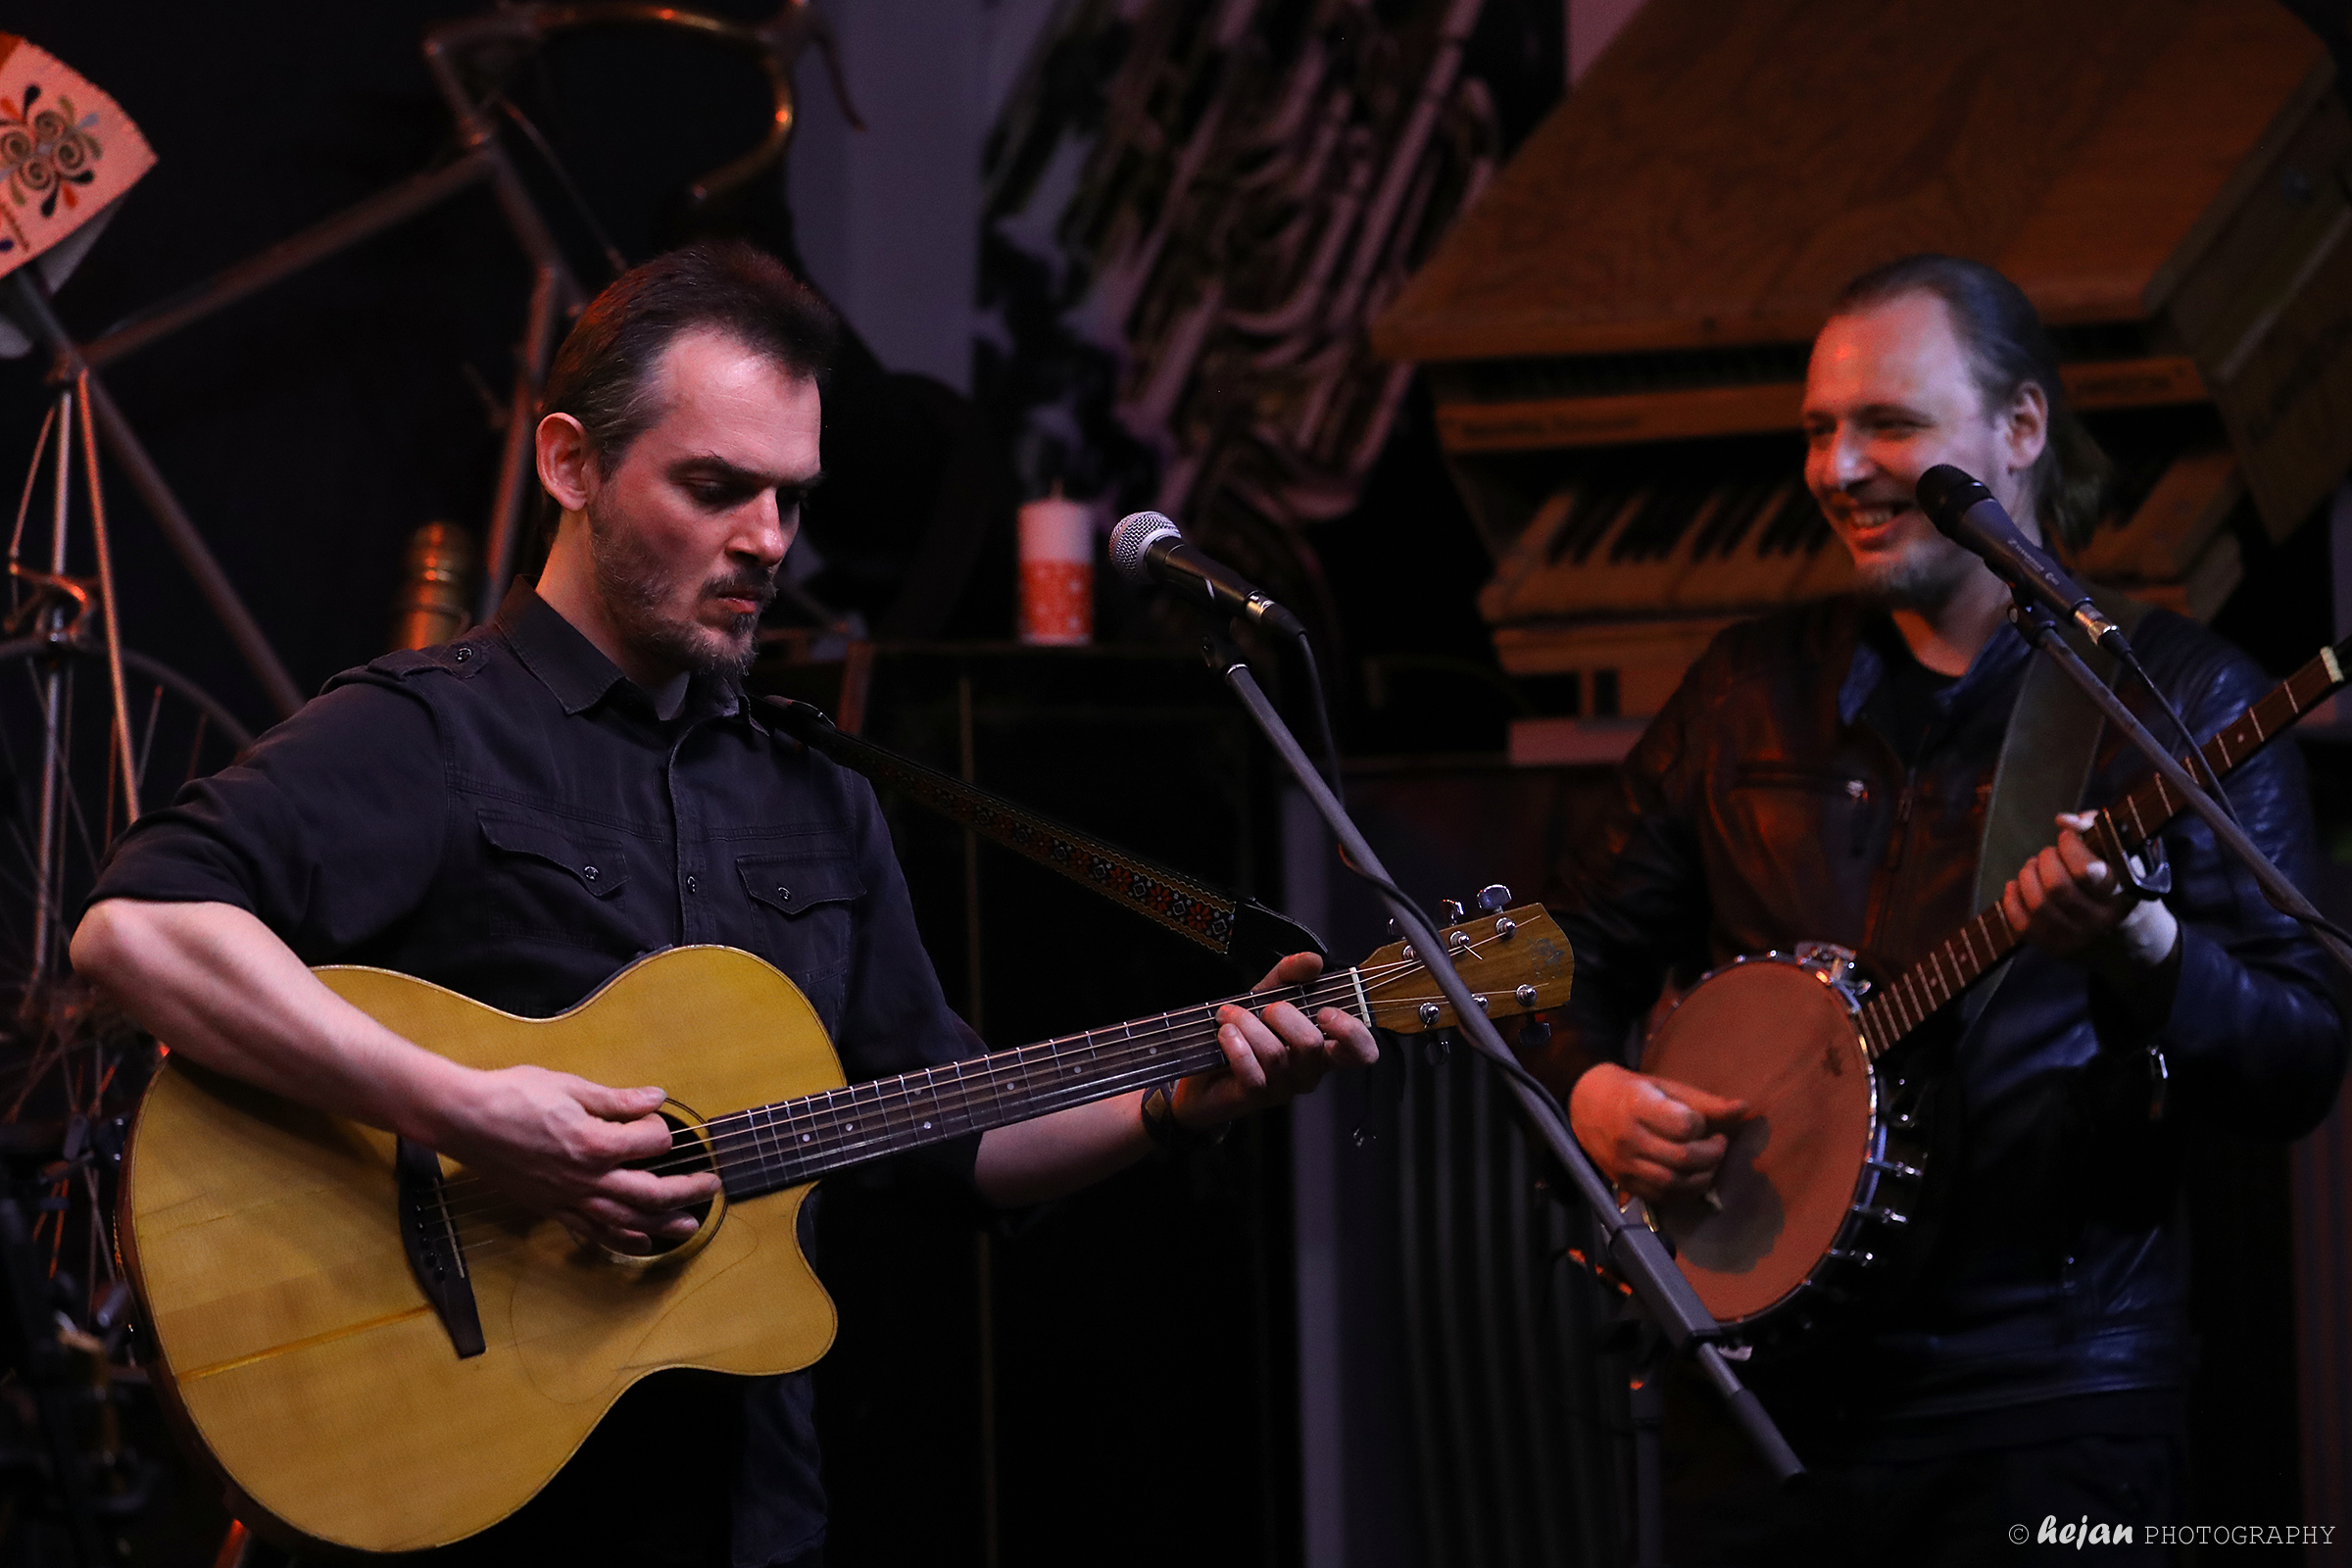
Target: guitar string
(956,1085)
(971,1094)
(1911,1000)
(830,1109)
(478,1242)
(972,1088)
(1136,1074)
(1914,993)
(754,1149)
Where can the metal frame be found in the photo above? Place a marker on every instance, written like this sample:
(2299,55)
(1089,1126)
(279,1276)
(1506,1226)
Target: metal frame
(555,293)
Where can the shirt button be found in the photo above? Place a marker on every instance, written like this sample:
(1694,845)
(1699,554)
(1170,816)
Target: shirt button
(588,872)
(784,893)
(463,653)
(692,886)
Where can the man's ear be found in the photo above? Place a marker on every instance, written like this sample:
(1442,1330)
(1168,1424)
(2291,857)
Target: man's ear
(2026,428)
(567,461)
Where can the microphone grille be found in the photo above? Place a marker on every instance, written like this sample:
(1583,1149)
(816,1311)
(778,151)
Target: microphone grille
(1945,492)
(1137,534)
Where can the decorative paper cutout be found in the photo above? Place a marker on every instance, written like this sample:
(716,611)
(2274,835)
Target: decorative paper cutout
(66,152)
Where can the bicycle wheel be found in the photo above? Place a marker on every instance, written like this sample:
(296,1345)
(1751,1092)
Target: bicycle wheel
(60,808)
(71,1065)
(178,732)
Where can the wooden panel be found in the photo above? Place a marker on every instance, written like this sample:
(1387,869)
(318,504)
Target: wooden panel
(1558,650)
(1646,658)
(1728,165)
(2135,203)
(2205,588)
(2171,529)
(1539,424)
(2152,384)
(2268,311)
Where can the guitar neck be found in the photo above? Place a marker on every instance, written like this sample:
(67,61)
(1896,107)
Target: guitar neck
(795,1141)
(2121,830)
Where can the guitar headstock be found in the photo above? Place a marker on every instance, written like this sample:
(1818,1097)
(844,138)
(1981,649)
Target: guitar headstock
(1518,959)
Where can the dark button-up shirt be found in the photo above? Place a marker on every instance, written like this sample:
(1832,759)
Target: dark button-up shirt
(509,816)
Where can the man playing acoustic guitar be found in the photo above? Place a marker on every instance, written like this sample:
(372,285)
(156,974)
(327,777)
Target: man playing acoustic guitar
(1824,774)
(519,814)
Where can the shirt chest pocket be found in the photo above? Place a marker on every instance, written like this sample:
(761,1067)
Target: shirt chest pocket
(807,914)
(1785,802)
(551,864)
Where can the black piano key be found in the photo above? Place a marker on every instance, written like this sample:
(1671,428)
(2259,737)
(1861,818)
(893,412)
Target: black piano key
(1600,500)
(1659,526)
(1798,528)
(1741,505)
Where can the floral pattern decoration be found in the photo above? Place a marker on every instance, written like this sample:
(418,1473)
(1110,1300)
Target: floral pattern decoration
(45,152)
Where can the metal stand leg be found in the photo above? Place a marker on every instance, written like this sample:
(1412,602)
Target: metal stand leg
(1646,1390)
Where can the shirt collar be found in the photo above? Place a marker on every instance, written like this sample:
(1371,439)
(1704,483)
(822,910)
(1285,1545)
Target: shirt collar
(2000,657)
(577,671)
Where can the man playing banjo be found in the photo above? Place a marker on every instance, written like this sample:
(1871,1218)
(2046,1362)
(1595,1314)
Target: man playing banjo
(1825,774)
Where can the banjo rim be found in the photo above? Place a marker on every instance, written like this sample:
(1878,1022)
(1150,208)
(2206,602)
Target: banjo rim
(1867,1202)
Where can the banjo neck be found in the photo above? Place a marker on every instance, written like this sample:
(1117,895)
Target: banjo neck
(2121,830)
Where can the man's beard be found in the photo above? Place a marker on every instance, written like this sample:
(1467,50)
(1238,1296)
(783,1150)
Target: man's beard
(634,586)
(1920,580)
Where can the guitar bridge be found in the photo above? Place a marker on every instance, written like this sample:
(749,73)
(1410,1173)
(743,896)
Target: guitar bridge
(431,1240)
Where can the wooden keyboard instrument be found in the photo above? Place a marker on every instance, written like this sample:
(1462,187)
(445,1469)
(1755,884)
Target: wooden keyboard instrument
(1616,333)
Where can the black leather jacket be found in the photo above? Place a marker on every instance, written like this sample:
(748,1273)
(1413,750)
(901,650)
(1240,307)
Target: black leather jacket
(1763,807)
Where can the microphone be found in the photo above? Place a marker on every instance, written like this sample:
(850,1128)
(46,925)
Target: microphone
(1965,513)
(1145,545)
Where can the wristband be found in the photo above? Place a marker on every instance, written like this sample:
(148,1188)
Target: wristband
(1167,1133)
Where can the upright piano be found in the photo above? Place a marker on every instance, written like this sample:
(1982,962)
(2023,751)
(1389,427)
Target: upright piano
(1616,333)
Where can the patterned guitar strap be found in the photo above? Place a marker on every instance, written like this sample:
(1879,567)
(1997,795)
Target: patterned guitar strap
(1241,929)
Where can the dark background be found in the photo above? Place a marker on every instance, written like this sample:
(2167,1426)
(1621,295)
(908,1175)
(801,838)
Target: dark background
(311,429)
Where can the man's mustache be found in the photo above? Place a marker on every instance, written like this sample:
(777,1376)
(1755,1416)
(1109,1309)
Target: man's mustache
(759,588)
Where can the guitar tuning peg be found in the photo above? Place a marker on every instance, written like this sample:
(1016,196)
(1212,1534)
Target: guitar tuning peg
(1493,898)
(1535,1035)
(1451,912)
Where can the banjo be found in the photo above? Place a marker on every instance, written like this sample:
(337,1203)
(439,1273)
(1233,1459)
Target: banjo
(1826,1174)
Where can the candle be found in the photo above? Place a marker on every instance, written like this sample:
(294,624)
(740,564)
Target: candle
(1058,571)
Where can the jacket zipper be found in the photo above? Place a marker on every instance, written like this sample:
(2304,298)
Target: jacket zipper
(1902,820)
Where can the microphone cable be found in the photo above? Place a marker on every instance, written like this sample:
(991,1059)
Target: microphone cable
(1325,741)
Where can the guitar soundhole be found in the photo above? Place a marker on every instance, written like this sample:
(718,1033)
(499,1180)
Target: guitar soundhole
(690,1152)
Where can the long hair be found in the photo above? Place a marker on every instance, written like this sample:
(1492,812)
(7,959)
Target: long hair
(2007,348)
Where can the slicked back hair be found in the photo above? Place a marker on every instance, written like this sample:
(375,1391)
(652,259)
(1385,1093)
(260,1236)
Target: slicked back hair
(604,376)
(2007,348)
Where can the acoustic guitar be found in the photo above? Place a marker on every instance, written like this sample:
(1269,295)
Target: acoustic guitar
(379,1355)
(1823,1181)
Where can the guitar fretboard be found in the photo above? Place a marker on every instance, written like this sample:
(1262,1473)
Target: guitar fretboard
(795,1141)
(2121,830)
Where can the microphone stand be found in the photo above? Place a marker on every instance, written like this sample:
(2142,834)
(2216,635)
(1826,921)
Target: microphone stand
(1633,1249)
(2041,629)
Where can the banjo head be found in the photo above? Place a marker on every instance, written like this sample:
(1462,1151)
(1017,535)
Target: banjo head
(1774,1033)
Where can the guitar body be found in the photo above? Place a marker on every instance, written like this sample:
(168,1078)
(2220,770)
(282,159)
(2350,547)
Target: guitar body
(293,1343)
(306,1279)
